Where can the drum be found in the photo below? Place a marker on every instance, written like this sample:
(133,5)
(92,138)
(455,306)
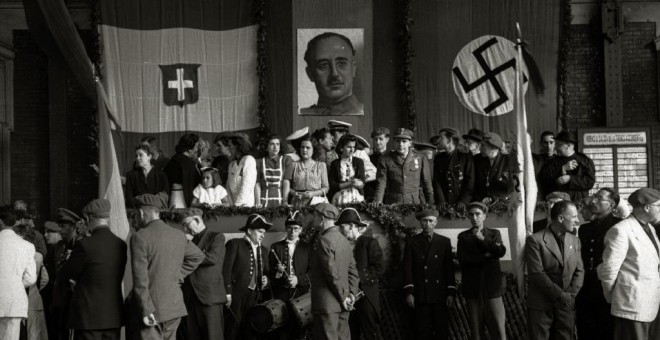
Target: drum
(302,309)
(268,315)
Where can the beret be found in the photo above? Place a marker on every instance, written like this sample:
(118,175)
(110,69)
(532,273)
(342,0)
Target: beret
(350,215)
(644,196)
(191,212)
(158,201)
(295,218)
(404,133)
(52,227)
(333,124)
(99,207)
(478,205)
(256,221)
(494,139)
(558,194)
(426,213)
(380,131)
(327,210)
(67,216)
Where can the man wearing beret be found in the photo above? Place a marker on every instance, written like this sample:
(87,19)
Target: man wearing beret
(593,312)
(569,171)
(493,170)
(429,282)
(95,272)
(556,273)
(404,176)
(161,257)
(333,276)
(479,250)
(204,289)
(289,262)
(453,176)
(244,271)
(629,272)
(365,319)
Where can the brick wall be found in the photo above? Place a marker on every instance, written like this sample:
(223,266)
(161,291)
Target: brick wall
(29,141)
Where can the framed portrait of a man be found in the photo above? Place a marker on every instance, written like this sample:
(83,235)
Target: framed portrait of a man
(329,72)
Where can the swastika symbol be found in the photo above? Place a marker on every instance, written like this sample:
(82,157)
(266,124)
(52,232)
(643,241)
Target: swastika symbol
(489,75)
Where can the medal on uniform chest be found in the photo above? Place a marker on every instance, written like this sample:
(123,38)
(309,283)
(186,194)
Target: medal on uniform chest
(416,163)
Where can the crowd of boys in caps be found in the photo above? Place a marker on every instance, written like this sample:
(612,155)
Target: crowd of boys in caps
(599,282)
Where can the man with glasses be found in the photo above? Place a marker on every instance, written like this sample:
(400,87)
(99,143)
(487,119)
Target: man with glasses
(204,289)
(593,312)
(629,271)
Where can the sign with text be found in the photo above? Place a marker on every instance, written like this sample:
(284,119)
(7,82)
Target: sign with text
(621,158)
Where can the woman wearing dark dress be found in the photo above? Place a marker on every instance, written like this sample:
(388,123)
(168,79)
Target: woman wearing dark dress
(145,178)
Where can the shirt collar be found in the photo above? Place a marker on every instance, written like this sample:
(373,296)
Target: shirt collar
(252,244)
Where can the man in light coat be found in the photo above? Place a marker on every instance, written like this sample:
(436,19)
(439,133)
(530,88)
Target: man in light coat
(19,270)
(629,272)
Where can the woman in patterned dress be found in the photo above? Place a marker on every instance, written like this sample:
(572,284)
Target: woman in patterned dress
(346,174)
(309,180)
(273,173)
(242,172)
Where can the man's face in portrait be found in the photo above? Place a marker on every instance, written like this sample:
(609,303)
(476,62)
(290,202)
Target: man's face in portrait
(332,69)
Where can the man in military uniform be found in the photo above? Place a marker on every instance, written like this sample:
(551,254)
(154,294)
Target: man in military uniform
(594,320)
(331,66)
(429,282)
(569,171)
(453,175)
(379,137)
(403,174)
(493,176)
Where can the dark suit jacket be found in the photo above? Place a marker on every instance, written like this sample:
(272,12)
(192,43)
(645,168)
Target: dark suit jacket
(582,180)
(300,269)
(370,266)
(333,275)
(481,273)
(161,257)
(453,177)
(407,181)
(207,281)
(97,266)
(428,269)
(494,181)
(549,273)
(334,175)
(183,170)
(592,239)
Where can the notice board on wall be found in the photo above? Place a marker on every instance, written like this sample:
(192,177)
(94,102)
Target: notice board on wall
(622,157)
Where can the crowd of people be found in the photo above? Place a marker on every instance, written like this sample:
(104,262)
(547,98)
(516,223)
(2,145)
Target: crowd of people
(600,280)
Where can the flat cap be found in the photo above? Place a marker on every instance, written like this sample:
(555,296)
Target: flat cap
(99,207)
(190,212)
(450,131)
(477,205)
(426,213)
(566,136)
(644,196)
(420,146)
(298,134)
(380,131)
(334,124)
(157,201)
(52,227)
(350,215)
(494,139)
(558,195)
(327,210)
(403,133)
(256,221)
(475,134)
(67,216)
(295,218)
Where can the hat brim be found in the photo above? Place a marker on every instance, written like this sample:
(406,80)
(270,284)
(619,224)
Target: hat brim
(565,140)
(403,137)
(476,139)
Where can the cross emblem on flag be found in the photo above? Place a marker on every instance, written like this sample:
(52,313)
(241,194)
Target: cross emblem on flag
(180,85)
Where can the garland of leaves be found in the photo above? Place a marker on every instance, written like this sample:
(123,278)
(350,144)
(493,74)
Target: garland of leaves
(408,56)
(564,51)
(262,67)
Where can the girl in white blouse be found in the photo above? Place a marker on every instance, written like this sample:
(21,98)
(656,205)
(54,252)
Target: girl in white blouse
(242,172)
(209,192)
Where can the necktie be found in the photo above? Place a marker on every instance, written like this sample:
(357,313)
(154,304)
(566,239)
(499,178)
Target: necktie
(648,232)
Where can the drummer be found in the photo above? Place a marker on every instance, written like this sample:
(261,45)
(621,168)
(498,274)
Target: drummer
(287,260)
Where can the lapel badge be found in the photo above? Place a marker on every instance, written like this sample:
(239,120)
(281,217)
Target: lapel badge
(416,163)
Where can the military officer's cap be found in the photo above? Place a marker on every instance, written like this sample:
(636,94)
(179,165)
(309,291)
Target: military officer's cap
(380,131)
(494,140)
(67,216)
(644,196)
(403,133)
(99,207)
(478,205)
(338,124)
